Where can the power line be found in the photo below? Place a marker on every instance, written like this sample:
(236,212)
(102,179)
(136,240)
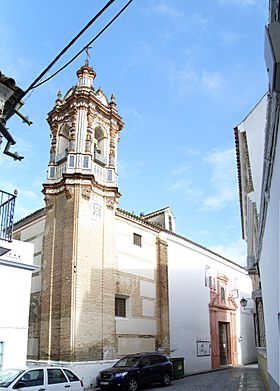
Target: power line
(63,51)
(85,47)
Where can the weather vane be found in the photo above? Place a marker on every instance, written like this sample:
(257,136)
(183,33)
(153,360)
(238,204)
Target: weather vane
(87,49)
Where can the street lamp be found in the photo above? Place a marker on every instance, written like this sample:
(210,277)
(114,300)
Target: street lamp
(243,302)
(10,95)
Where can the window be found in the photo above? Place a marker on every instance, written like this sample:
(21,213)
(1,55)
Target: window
(120,307)
(157,359)
(170,223)
(52,172)
(86,162)
(137,240)
(71,375)
(110,175)
(223,296)
(32,378)
(56,376)
(71,161)
(145,361)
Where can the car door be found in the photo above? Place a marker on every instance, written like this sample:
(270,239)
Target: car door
(145,371)
(57,380)
(76,384)
(31,380)
(156,370)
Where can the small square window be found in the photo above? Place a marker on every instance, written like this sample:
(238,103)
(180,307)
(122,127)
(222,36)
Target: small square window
(137,240)
(71,161)
(86,162)
(52,172)
(120,307)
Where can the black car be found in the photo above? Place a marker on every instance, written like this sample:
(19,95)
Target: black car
(135,370)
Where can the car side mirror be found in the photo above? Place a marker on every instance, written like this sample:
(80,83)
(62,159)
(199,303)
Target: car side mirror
(19,384)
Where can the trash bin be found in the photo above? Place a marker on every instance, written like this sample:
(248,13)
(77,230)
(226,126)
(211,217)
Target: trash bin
(178,366)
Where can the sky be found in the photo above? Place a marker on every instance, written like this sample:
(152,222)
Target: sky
(184,74)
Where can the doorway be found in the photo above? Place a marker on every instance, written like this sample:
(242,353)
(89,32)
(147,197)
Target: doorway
(224,343)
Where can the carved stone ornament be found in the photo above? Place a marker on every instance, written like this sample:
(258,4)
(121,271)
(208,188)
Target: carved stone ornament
(86,192)
(110,202)
(68,193)
(49,202)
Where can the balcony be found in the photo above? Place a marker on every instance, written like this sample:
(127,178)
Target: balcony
(7,207)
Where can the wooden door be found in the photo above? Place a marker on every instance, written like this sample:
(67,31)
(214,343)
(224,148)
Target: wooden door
(224,343)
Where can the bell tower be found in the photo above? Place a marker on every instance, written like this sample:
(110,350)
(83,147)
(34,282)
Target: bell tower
(81,194)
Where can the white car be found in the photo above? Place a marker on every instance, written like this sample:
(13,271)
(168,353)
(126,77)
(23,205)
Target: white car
(40,379)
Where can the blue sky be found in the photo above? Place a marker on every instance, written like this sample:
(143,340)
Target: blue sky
(183,72)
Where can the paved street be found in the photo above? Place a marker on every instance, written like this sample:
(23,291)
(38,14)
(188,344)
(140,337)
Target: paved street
(233,379)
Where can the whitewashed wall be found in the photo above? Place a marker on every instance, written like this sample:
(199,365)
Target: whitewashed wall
(254,126)
(15,282)
(270,273)
(135,263)
(189,300)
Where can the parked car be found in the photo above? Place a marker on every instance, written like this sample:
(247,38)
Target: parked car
(43,378)
(135,370)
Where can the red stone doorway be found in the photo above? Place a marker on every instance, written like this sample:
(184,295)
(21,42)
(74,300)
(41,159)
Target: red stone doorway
(222,311)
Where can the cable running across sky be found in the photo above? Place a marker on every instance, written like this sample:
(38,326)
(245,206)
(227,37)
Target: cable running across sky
(33,84)
(85,47)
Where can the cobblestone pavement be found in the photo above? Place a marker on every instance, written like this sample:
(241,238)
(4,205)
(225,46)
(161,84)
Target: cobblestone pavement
(244,378)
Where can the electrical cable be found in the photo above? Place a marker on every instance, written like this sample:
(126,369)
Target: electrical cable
(64,50)
(85,47)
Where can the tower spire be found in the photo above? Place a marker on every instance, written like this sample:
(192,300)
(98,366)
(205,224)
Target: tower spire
(86,74)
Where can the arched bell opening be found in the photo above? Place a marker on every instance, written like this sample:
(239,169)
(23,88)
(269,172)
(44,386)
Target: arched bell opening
(100,143)
(63,142)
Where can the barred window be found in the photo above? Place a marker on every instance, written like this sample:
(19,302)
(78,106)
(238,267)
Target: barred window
(137,240)
(120,307)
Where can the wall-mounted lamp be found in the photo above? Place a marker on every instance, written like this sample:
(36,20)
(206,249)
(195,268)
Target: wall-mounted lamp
(243,302)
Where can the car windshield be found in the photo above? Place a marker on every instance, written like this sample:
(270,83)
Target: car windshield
(7,376)
(127,362)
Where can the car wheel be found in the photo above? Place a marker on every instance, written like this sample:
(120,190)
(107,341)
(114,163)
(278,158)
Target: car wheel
(166,379)
(132,384)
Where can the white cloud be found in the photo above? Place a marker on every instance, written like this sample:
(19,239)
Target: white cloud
(235,251)
(165,9)
(212,82)
(185,187)
(229,38)
(187,80)
(222,165)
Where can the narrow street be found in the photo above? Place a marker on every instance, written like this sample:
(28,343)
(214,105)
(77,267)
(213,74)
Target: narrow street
(245,378)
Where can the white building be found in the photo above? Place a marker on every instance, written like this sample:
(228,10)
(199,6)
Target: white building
(16,267)
(208,327)
(259,183)
(113,283)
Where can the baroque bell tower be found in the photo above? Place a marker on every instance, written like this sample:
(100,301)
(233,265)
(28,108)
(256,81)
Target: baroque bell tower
(81,194)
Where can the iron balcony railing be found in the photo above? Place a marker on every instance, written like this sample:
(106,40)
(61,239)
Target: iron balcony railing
(7,208)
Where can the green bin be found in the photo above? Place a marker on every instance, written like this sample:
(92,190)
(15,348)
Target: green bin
(178,366)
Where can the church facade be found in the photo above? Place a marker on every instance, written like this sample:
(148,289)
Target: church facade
(110,282)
